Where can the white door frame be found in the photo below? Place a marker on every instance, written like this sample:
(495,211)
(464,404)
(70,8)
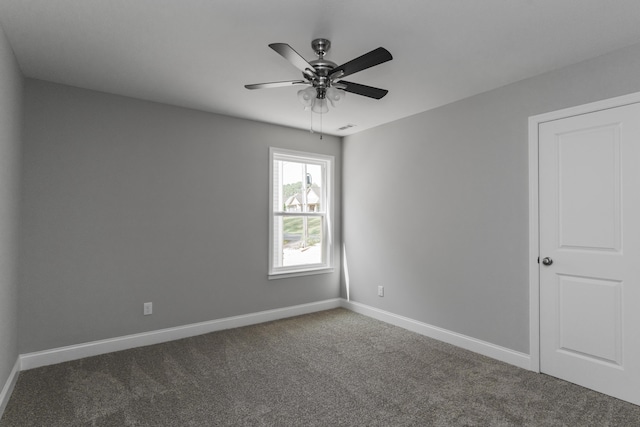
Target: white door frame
(534,231)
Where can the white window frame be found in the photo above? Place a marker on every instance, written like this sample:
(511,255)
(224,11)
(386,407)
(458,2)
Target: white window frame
(326,162)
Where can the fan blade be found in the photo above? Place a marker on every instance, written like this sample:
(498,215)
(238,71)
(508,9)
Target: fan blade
(294,57)
(276,84)
(368,60)
(358,89)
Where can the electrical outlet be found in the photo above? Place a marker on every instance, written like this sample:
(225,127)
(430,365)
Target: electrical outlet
(148,308)
(380,291)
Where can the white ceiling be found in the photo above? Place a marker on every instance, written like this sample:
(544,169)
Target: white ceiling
(200,53)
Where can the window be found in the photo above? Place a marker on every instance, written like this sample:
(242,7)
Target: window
(300,231)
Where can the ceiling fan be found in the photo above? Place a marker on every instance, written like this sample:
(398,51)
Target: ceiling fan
(324,77)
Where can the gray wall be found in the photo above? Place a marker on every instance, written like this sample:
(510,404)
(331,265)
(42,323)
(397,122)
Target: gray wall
(10,129)
(126,201)
(435,206)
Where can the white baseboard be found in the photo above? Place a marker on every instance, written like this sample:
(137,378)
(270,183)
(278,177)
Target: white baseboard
(5,394)
(497,352)
(94,348)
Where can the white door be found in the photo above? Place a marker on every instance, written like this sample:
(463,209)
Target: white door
(589,183)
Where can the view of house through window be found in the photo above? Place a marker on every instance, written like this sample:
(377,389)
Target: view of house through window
(299,223)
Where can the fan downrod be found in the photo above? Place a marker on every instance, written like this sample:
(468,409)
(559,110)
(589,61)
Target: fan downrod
(321,65)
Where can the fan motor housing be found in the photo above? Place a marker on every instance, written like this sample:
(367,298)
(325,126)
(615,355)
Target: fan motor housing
(323,67)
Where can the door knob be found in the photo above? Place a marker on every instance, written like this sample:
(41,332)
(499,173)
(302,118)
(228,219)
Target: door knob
(547,261)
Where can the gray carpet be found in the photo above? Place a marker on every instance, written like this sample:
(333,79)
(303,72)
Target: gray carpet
(333,368)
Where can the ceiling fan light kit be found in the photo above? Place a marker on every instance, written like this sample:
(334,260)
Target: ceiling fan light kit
(311,100)
(324,77)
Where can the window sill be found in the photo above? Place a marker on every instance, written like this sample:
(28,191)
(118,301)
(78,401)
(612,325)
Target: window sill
(285,275)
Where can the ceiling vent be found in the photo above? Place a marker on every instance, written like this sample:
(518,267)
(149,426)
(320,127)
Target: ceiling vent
(345,127)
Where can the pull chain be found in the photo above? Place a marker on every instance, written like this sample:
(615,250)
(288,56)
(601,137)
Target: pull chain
(311,124)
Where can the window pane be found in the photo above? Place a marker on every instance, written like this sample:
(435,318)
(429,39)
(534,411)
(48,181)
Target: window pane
(314,189)
(301,240)
(292,189)
(300,187)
